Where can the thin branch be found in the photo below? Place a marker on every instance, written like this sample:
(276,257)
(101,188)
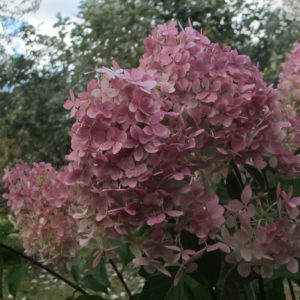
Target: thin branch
(261,288)
(244,292)
(237,173)
(291,289)
(120,276)
(35,262)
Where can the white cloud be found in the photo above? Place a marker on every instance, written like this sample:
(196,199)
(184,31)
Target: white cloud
(45,17)
(43,20)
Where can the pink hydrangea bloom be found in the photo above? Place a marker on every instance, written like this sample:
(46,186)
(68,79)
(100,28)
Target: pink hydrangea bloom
(43,209)
(141,135)
(289,84)
(264,237)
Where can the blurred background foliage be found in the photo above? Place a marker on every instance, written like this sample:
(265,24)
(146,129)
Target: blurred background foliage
(35,84)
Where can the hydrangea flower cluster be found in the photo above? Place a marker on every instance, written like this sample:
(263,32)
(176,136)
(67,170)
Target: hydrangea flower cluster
(147,144)
(289,84)
(42,205)
(262,234)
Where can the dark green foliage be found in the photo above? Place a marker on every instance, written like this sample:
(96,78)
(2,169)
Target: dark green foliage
(15,277)
(234,187)
(90,282)
(160,287)
(257,176)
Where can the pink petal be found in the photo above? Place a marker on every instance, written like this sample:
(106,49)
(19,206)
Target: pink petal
(174,248)
(96,93)
(106,145)
(217,246)
(72,96)
(246,254)
(150,148)
(165,59)
(141,261)
(201,95)
(198,132)
(174,213)
(99,218)
(93,111)
(130,211)
(68,104)
(211,98)
(156,220)
(117,147)
(237,143)
(161,130)
(138,153)
(149,84)
(292,266)
(163,270)
(246,194)
(222,151)
(156,118)
(234,205)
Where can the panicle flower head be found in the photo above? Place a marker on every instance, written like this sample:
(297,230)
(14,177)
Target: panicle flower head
(289,83)
(141,136)
(42,207)
(263,235)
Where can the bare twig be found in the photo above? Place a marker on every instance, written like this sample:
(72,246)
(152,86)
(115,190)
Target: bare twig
(37,263)
(261,288)
(120,276)
(291,289)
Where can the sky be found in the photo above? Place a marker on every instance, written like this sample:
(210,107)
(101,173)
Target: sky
(43,20)
(45,17)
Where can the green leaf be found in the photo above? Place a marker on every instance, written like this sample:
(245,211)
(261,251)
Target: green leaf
(15,277)
(100,274)
(1,277)
(77,269)
(231,290)
(156,287)
(282,273)
(10,258)
(177,292)
(143,273)
(123,250)
(189,289)
(195,290)
(274,289)
(297,281)
(160,287)
(233,185)
(257,176)
(125,254)
(189,241)
(231,285)
(209,266)
(90,282)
